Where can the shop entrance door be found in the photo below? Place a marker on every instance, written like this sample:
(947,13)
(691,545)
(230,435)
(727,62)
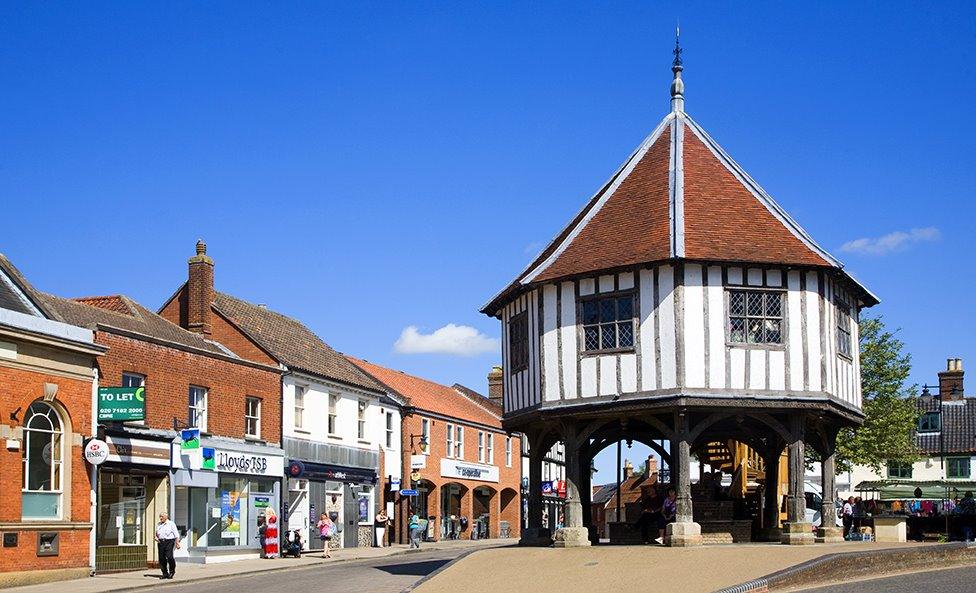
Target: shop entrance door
(350,509)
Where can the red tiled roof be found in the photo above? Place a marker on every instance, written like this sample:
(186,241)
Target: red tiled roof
(430,396)
(678,196)
(110,303)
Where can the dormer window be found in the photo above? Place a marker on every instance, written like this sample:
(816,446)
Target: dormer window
(755,316)
(608,323)
(930,422)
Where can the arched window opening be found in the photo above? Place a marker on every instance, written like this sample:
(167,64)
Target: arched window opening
(43,455)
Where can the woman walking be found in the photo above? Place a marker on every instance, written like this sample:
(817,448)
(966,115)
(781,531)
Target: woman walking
(326,529)
(414,528)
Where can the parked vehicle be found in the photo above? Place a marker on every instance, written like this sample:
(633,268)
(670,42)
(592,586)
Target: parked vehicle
(813,495)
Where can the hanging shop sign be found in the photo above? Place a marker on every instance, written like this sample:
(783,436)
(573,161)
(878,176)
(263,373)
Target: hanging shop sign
(96,451)
(547,488)
(418,461)
(189,439)
(394,484)
(121,404)
(452,468)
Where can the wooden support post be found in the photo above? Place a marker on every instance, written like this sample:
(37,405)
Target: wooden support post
(828,532)
(796,530)
(535,534)
(573,534)
(684,531)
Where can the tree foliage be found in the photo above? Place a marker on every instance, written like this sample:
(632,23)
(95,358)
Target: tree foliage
(890,409)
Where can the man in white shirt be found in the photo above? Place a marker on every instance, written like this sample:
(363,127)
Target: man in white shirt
(167,537)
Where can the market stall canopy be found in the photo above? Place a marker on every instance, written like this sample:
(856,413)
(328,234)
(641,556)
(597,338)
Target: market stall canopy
(905,489)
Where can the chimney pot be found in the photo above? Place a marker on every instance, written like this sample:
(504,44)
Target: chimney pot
(201,247)
(628,469)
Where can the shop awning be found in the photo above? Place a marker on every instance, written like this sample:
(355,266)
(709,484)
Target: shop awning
(904,489)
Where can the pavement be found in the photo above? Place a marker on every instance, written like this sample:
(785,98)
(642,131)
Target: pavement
(951,580)
(316,569)
(647,569)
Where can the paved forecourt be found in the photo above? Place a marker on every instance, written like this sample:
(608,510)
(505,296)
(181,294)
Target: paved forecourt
(619,568)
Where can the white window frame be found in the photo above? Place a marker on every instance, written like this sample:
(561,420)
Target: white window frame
(332,425)
(57,465)
(481,446)
(425,433)
(459,443)
(508,451)
(450,440)
(299,420)
(388,417)
(256,417)
(490,447)
(197,416)
(362,406)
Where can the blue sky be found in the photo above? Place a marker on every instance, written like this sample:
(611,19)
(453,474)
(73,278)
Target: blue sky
(372,167)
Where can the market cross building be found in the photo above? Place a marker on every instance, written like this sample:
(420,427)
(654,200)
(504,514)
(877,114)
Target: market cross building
(682,304)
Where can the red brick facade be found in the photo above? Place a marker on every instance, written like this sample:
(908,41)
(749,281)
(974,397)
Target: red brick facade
(170,371)
(504,503)
(19,387)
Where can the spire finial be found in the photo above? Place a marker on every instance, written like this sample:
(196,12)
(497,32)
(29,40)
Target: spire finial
(677,85)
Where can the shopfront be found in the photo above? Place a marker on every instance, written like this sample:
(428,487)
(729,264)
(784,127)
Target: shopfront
(133,489)
(223,492)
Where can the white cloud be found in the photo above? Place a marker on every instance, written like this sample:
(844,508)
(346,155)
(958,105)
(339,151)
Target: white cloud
(459,340)
(896,241)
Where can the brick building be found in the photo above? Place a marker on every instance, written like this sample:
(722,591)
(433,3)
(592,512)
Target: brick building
(340,431)
(464,466)
(46,381)
(188,381)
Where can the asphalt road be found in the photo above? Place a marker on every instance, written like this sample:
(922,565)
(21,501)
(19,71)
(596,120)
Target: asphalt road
(951,580)
(384,575)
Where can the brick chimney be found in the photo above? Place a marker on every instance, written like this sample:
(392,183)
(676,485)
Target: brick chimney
(628,469)
(650,466)
(495,392)
(200,291)
(950,380)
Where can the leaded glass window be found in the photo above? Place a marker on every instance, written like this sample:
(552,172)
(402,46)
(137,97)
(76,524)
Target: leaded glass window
(755,317)
(608,323)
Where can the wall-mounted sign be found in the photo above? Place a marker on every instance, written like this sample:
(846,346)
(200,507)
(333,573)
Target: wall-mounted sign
(96,451)
(409,493)
(227,461)
(394,484)
(418,461)
(547,488)
(121,404)
(189,439)
(452,468)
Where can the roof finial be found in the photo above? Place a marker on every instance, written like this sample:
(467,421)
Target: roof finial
(677,85)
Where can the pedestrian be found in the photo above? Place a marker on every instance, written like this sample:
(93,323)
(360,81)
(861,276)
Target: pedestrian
(380,523)
(847,516)
(326,529)
(414,528)
(167,537)
(967,509)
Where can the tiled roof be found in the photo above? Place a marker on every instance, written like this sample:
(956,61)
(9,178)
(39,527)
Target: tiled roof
(479,399)
(630,489)
(16,293)
(121,312)
(678,196)
(430,396)
(603,494)
(291,343)
(958,426)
